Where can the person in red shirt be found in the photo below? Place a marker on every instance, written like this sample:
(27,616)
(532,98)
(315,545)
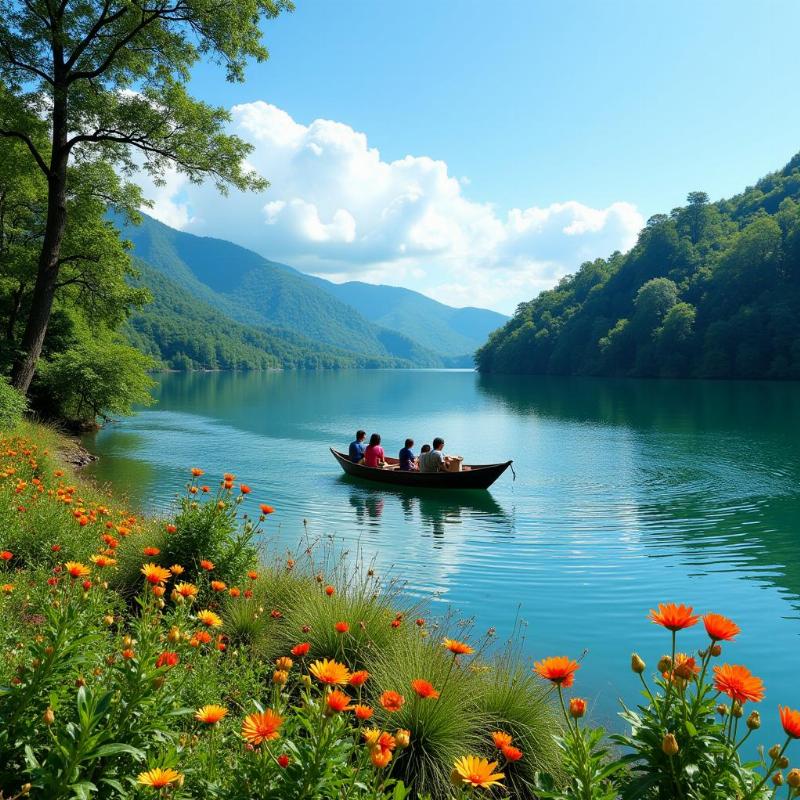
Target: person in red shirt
(373,455)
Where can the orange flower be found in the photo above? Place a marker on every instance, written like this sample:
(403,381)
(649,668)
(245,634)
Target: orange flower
(103,561)
(7,588)
(330,672)
(244,488)
(719,628)
(235,591)
(501,739)
(424,689)
(392,701)
(261,726)
(207,565)
(151,551)
(265,509)
(511,753)
(362,712)
(577,707)
(790,719)
(474,771)
(674,617)
(76,569)
(228,476)
(300,650)
(159,778)
(211,714)
(329,590)
(6,555)
(171,528)
(684,667)
(338,701)
(196,472)
(155,574)
(558,669)
(167,659)
(252,574)
(176,569)
(209,619)
(738,683)
(202,637)
(186,589)
(458,648)
(359,678)
(341,627)
(380,758)
(218,586)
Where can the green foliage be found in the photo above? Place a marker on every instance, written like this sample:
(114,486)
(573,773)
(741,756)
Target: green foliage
(95,378)
(12,405)
(710,290)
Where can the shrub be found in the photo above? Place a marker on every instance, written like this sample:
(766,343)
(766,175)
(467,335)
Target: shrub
(12,405)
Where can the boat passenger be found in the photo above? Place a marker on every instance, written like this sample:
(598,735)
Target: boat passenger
(408,461)
(433,461)
(357,447)
(373,455)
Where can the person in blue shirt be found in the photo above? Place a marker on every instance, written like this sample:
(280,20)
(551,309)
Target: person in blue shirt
(357,447)
(408,461)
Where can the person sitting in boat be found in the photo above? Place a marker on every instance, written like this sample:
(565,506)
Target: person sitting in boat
(408,461)
(435,460)
(357,447)
(373,455)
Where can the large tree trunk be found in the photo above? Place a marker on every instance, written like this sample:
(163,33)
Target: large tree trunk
(47,273)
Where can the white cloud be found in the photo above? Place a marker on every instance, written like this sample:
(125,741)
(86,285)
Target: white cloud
(337,209)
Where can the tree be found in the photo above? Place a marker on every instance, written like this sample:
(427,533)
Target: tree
(110,77)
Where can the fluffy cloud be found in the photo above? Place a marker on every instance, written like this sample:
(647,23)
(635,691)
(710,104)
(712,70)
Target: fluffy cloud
(335,208)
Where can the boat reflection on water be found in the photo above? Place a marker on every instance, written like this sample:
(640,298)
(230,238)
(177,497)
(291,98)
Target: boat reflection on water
(436,510)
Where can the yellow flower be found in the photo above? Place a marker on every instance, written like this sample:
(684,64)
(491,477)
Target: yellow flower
(474,771)
(76,569)
(159,778)
(210,714)
(209,619)
(329,671)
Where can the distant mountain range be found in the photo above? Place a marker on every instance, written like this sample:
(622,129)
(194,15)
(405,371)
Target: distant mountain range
(218,305)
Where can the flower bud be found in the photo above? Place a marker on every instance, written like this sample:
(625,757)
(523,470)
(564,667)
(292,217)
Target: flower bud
(777,779)
(403,738)
(716,649)
(737,710)
(279,677)
(577,707)
(25,790)
(774,752)
(49,716)
(754,721)
(127,641)
(637,665)
(793,778)
(306,681)
(783,762)
(80,681)
(723,710)
(664,664)
(670,745)
(284,662)
(174,634)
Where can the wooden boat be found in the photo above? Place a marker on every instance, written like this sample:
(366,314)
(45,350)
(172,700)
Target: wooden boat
(472,476)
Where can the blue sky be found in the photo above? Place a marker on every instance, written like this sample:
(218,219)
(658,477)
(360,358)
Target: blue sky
(528,104)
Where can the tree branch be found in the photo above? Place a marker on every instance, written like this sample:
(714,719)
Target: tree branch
(23,66)
(103,20)
(31,146)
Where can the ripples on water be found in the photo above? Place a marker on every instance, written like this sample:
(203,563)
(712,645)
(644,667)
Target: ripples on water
(628,493)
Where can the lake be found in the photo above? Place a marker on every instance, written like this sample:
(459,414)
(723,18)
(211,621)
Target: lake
(627,493)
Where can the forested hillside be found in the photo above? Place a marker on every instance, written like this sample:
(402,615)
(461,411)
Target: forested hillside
(264,294)
(444,329)
(709,290)
(181,331)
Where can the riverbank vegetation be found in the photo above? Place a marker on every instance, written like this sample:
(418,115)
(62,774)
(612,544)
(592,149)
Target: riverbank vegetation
(710,290)
(187,657)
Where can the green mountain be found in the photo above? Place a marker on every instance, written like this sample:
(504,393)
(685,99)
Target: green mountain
(709,290)
(262,294)
(450,331)
(183,332)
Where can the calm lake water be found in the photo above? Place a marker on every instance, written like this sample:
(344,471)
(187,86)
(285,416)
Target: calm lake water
(627,493)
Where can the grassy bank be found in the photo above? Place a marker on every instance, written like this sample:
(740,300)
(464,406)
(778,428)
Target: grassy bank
(188,652)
